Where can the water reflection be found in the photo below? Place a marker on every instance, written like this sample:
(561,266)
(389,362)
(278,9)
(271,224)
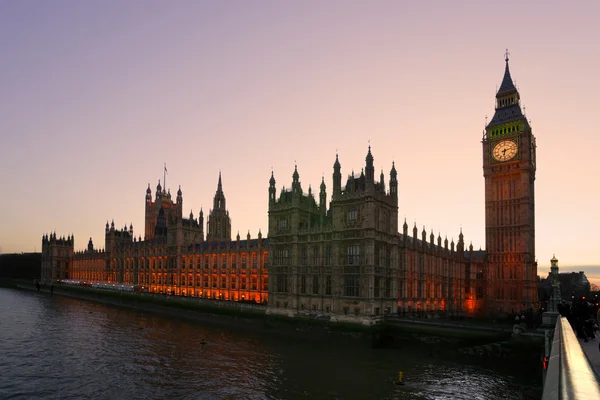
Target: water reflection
(57,347)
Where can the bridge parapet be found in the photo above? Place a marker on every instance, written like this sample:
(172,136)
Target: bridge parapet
(569,375)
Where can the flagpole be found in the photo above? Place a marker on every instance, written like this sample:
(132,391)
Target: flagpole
(165,178)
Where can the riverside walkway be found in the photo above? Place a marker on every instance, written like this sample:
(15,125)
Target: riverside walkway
(592,352)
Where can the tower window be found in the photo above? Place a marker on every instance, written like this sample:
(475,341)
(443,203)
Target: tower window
(352,216)
(282,225)
(353,254)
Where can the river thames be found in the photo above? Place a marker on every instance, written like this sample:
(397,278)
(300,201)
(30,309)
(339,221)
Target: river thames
(55,347)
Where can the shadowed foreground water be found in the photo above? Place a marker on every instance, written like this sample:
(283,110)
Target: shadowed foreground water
(54,347)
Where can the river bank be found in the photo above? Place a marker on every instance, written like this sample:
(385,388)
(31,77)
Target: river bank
(447,338)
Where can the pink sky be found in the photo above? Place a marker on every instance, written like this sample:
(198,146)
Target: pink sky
(95,96)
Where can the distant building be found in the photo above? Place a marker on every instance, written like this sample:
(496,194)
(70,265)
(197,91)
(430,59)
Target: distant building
(174,257)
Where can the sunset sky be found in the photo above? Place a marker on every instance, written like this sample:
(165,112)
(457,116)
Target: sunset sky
(95,96)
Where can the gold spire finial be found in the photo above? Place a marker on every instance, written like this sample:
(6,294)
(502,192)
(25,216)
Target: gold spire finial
(506,54)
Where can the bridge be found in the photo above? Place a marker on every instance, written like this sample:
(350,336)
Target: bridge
(572,366)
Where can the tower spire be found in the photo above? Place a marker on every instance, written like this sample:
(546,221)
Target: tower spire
(507,86)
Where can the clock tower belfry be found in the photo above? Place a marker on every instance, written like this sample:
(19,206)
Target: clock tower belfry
(509,172)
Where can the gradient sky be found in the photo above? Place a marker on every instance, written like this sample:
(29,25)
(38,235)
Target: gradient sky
(96,95)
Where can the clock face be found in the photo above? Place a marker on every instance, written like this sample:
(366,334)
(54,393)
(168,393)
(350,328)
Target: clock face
(504,150)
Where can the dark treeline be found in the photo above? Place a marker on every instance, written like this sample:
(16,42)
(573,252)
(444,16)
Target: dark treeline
(21,266)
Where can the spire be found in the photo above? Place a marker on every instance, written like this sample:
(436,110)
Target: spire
(337,177)
(507,86)
(508,108)
(295,175)
(219,185)
(369,169)
(272,180)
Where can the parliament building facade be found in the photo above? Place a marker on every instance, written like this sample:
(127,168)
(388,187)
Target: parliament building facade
(346,259)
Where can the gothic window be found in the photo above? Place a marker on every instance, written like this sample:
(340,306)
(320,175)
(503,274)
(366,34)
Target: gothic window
(206,262)
(223,282)
(376,287)
(388,287)
(265,284)
(254,283)
(233,282)
(315,255)
(315,285)
(376,256)
(282,225)
(243,260)
(327,258)
(281,283)
(351,285)
(303,284)
(243,283)
(233,261)
(352,216)
(281,256)
(223,261)
(353,254)
(214,281)
(254,260)
(266,260)
(328,285)
(388,257)
(304,256)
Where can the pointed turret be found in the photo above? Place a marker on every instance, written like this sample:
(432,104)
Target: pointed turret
(148,194)
(369,168)
(337,177)
(272,189)
(219,223)
(296,188)
(323,197)
(394,182)
(179,195)
(158,190)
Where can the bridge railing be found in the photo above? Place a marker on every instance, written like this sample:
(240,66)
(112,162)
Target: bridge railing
(569,375)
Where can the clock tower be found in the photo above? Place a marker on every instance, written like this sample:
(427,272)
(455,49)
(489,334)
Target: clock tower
(509,172)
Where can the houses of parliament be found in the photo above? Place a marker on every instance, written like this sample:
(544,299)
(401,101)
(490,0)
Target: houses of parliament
(347,258)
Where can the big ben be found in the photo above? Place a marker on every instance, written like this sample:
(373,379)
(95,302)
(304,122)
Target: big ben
(509,171)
